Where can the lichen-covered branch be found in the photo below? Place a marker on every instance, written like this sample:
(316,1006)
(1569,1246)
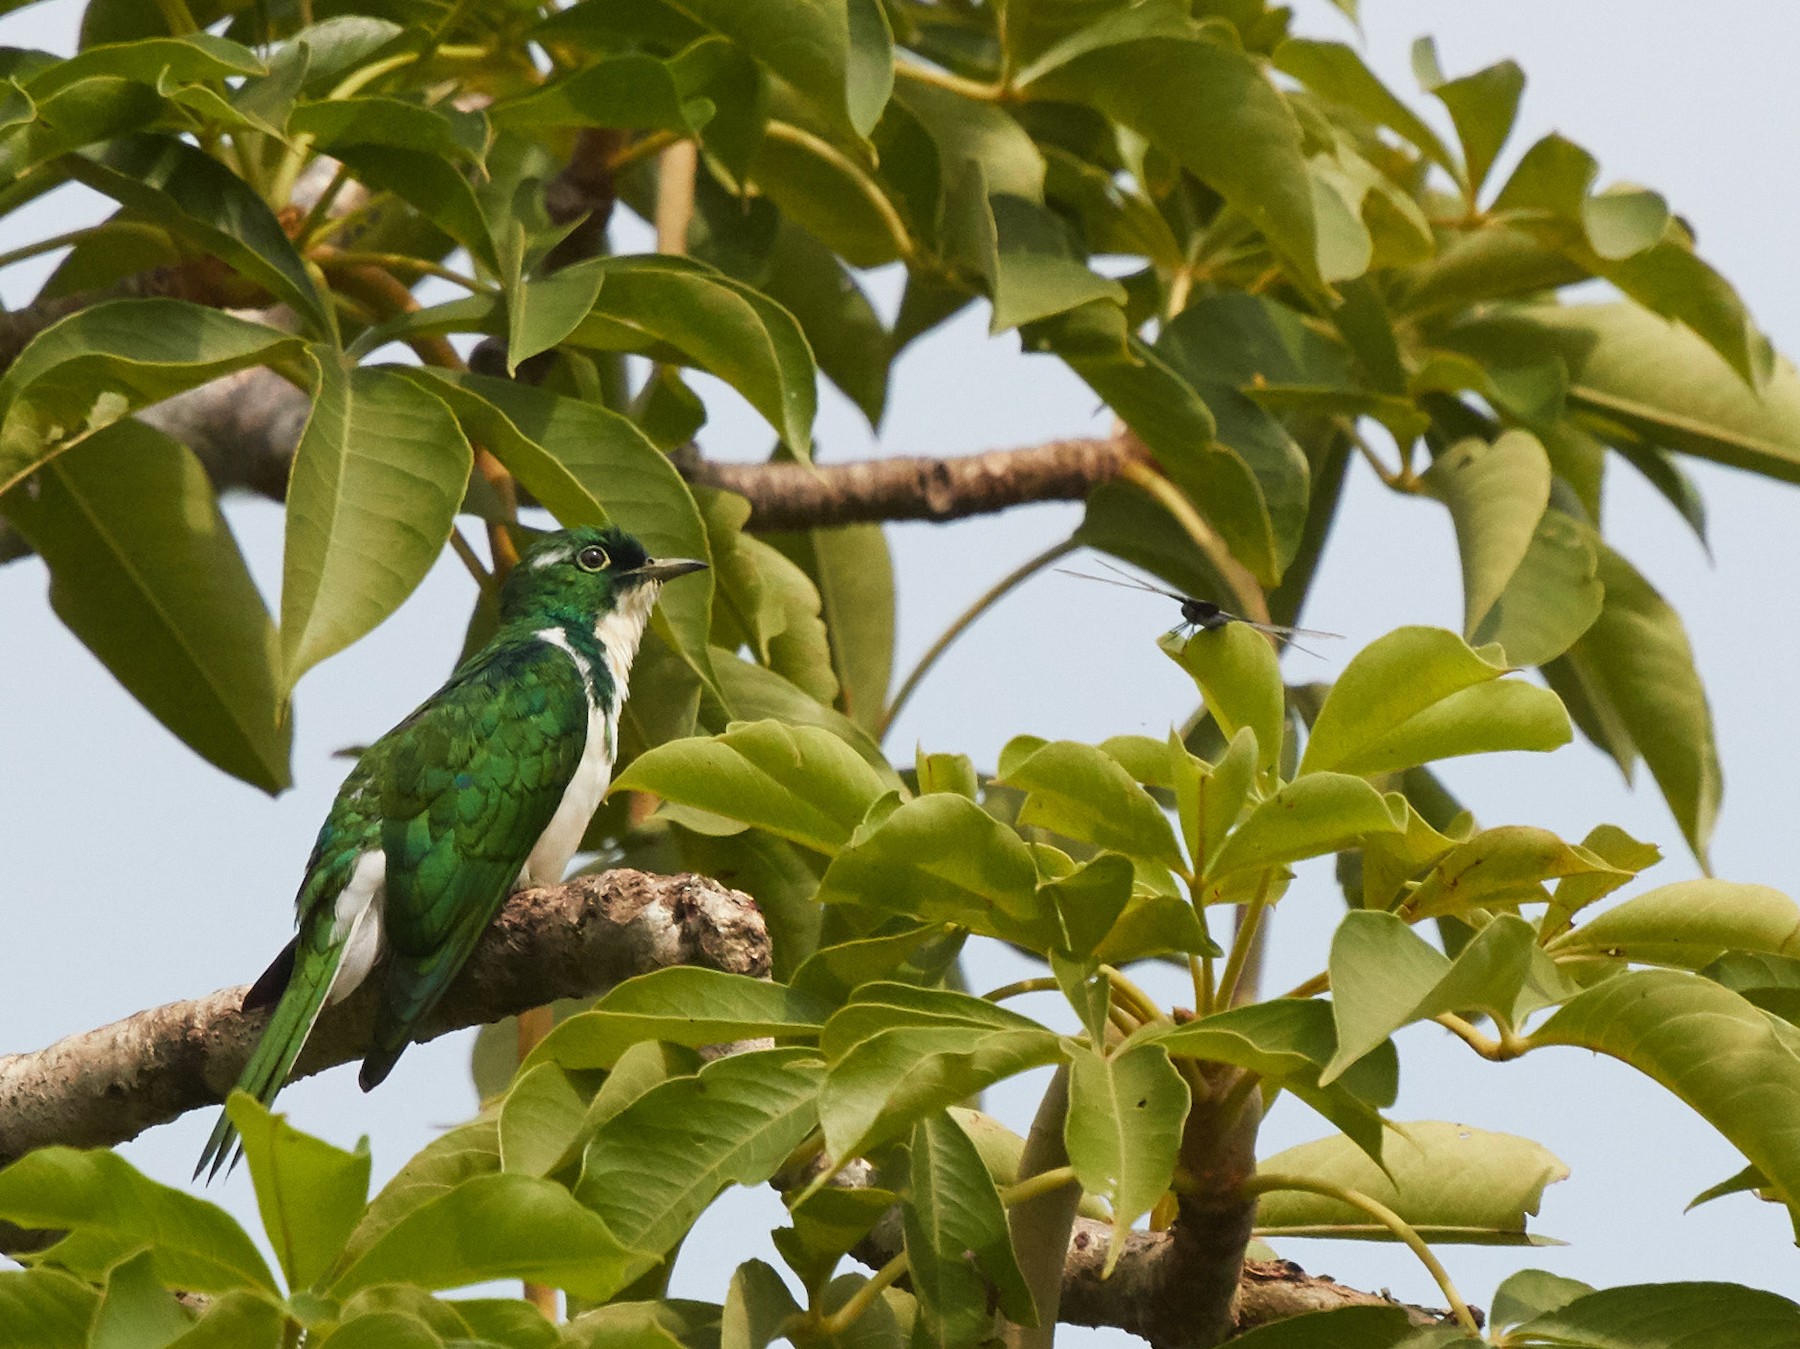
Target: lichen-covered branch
(105,1086)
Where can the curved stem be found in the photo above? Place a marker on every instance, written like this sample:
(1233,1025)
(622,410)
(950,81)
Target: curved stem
(1508,1046)
(1265,1181)
(405,262)
(865,186)
(956,84)
(1045,1182)
(863,1298)
(995,593)
(1139,1003)
(49,245)
(1241,944)
(1005,991)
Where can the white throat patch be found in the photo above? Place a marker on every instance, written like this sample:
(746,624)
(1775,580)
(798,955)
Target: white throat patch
(620,631)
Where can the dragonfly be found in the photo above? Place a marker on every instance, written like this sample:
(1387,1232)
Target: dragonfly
(1201,615)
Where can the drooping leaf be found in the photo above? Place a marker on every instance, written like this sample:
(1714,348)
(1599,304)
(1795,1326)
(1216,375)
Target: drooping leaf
(1553,597)
(144,569)
(377,479)
(1451,1182)
(540,1118)
(680,309)
(1722,1055)
(1636,663)
(471,1149)
(1482,105)
(1496,494)
(1206,104)
(136,1309)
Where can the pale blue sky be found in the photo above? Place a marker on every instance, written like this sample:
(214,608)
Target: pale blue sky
(131,873)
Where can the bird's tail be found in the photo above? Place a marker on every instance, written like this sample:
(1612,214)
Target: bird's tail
(276,1051)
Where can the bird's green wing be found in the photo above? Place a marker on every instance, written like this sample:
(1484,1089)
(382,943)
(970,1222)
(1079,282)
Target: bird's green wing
(463,790)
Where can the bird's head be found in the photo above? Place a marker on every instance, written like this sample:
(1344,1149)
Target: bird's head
(586,573)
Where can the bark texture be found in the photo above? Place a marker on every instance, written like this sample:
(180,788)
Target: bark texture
(105,1086)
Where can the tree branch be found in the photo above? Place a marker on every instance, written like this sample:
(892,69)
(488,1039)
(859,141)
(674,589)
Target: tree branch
(245,426)
(105,1086)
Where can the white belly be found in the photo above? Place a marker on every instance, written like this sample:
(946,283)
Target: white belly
(580,799)
(356,921)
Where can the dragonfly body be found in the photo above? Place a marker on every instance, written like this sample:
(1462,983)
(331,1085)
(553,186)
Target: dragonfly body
(1199,614)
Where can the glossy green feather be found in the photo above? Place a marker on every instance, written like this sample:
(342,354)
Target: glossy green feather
(454,800)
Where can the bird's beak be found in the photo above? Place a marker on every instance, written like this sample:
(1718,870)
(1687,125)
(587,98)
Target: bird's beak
(666,569)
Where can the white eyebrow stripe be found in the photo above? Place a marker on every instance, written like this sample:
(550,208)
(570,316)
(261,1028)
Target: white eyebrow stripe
(549,559)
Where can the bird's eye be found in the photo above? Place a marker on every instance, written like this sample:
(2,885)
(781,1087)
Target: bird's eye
(592,558)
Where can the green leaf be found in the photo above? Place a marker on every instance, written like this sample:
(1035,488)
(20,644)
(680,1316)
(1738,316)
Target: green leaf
(1496,494)
(377,119)
(1240,679)
(959,1252)
(798,782)
(1353,1327)
(1688,925)
(1504,866)
(44,1309)
(197,199)
(110,1209)
(103,363)
(89,110)
(541,313)
(887,1005)
(667,1323)
(940,858)
(471,1149)
(1722,1055)
(144,569)
(846,334)
(237,1320)
(837,57)
(757,1307)
(1483,106)
(433,186)
(1420,694)
(1289,1040)
(653,1168)
(1636,662)
(1660,381)
(1090,902)
(1206,104)
(1530,1292)
(886,1082)
(766,601)
(382,1329)
(1451,1182)
(1553,597)
(1669,1315)
(1390,977)
(136,1311)
(754,691)
(1082,793)
(674,308)
(1334,71)
(588,465)
(632,90)
(310,1194)
(379,474)
(686,1005)
(1311,816)
(498,1227)
(540,1119)
(1123,1131)
(187,58)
